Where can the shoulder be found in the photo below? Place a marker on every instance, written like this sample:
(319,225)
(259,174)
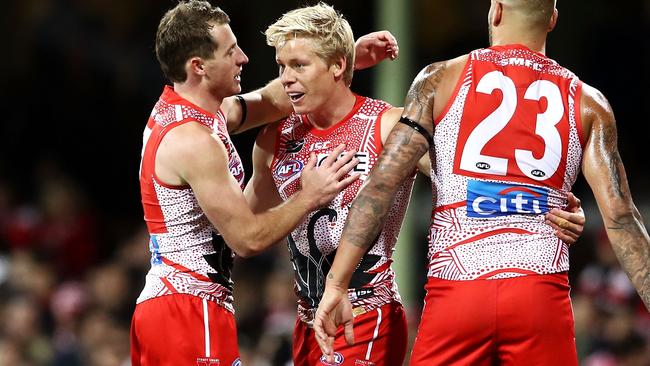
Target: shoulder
(594,106)
(190,140)
(440,68)
(437,74)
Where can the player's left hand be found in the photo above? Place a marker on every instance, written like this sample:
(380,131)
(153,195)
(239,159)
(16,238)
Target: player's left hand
(334,309)
(373,48)
(568,223)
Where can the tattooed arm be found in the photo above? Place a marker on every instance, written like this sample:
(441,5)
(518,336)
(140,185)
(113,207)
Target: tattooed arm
(401,152)
(604,171)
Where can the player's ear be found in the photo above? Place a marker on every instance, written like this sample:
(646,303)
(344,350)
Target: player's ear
(339,67)
(553,21)
(195,66)
(497,14)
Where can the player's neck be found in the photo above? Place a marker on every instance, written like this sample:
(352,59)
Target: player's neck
(535,42)
(338,105)
(198,96)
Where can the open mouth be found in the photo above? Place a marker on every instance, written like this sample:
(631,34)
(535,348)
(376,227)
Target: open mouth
(238,77)
(295,96)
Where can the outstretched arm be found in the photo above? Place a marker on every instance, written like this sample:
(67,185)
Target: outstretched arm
(604,171)
(191,155)
(402,151)
(270,103)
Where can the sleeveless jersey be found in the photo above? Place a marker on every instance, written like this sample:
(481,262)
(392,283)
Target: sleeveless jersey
(312,245)
(507,149)
(187,254)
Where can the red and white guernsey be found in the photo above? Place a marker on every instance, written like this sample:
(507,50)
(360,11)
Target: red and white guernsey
(313,243)
(507,149)
(187,254)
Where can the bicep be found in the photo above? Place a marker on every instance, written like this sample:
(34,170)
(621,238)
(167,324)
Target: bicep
(205,168)
(602,165)
(265,105)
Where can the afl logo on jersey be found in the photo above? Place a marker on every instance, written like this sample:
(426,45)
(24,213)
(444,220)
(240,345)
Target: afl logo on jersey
(338,359)
(288,169)
(237,362)
(294,146)
(490,199)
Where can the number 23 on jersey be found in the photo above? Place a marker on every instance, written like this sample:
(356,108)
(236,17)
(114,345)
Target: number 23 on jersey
(515,127)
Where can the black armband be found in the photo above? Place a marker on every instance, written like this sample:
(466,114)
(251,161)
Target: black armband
(244,111)
(414,125)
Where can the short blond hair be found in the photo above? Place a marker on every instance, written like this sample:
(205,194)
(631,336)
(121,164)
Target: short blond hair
(324,25)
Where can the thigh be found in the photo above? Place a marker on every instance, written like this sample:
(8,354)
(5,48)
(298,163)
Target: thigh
(536,321)
(457,324)
(183,330)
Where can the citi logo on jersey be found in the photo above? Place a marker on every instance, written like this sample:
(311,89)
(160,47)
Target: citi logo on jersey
(363,166)
(288,169)
(338,359)
(489,199)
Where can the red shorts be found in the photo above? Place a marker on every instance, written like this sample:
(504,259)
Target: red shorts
(515,321)
(181,329)
(380,338)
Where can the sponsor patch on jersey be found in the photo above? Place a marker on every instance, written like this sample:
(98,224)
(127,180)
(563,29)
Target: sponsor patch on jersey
(294,146)
(288,169)
(154,248)
(490,199)
(364,293)
(338,359)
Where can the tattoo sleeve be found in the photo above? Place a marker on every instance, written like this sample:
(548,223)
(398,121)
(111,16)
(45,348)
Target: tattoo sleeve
(626,231)
(401,152)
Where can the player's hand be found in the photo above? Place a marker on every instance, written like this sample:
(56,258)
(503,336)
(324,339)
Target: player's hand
(568,223)
(320,184)
(373,48)
(334,309)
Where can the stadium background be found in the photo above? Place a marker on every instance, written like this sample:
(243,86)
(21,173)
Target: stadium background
(79,80)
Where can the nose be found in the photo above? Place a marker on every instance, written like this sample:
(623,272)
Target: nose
(286,76)
(243,59)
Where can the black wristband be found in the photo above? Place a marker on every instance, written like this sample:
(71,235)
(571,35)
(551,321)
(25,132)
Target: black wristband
(414,125)
(244,111)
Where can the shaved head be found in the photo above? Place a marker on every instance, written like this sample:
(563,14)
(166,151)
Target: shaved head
(533,13)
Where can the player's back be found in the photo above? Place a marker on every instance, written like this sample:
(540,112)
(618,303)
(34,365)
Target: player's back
(507,149)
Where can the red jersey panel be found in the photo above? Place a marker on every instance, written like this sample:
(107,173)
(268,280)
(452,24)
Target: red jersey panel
(313,242)
(506,151)
(187,254)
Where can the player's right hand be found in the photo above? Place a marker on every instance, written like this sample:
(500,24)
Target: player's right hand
(334,310)
(320,184)
(569,222)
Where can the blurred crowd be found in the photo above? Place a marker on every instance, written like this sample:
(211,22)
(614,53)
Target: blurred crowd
(66,296)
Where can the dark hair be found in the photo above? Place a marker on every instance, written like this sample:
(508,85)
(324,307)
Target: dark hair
(183,33)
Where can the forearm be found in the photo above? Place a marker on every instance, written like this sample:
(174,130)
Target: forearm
(629,239)
(369,210)
(265,105)
(272,226)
